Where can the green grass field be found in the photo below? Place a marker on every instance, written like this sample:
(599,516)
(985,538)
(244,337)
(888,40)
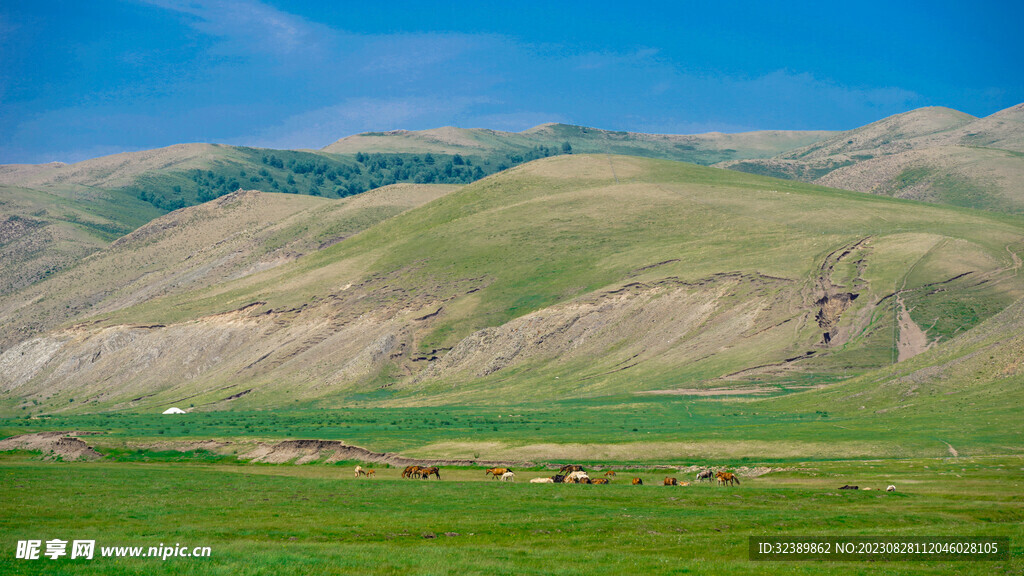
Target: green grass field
(260,519)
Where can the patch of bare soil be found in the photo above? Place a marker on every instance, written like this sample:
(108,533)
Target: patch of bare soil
(913,340)
(53,445)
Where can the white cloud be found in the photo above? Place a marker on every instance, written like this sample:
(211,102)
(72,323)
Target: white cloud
(251,25)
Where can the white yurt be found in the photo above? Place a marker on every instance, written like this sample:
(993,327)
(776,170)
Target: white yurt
(173,410)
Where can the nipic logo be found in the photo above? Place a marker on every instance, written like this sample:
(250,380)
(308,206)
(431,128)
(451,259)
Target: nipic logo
(86,549)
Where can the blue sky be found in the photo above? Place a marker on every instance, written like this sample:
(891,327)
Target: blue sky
(83,79)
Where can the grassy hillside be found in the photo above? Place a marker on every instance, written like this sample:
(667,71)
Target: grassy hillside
(931,154)
(232,237)
(570,277)
(975,381)
(42,233)
(54,214)
(189,174)
(701,148)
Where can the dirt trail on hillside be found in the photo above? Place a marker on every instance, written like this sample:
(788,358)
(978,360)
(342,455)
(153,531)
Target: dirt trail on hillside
(913,340)
(53,445)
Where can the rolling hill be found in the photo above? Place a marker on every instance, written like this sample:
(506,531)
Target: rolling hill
(43,232)
(52,215)
(193,248)
(931,154)
(573,276)
(699,149)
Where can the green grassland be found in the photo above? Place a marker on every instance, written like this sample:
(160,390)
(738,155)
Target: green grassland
(318,519)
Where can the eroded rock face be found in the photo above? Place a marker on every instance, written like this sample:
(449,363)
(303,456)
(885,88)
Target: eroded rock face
(836,298)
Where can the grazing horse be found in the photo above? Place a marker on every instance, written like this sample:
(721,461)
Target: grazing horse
(727,478)
(706,475)
(410,472)
(638,482)
(360,471)
(670,481)
(542,481)
(508,477)
(426,472)
(570,468)
(370,473)
(496,472)
(609,473)
(890,488)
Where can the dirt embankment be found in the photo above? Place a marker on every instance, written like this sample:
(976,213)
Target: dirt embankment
(329,451)
(53,445)
(62,445)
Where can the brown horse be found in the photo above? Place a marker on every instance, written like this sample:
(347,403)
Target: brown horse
(426,472)
(670,481)
(727,478)
(411,472)
(609,473)
(370,473)
(600,481)
(569,468)
(496,472)
(638,482)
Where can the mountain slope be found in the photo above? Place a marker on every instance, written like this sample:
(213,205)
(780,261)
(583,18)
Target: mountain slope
(41,233)
(931,154)
(232,237)
(575,275)
(51,215)
(700,148)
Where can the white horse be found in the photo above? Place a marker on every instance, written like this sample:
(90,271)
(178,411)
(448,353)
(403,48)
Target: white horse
(890,488)
(542,481)
(575,477)
(360,471)
(508,477)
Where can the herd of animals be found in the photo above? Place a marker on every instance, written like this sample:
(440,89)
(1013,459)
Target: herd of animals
(574,474)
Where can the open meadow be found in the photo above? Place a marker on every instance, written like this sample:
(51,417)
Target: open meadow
(270,519)
(188,481)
